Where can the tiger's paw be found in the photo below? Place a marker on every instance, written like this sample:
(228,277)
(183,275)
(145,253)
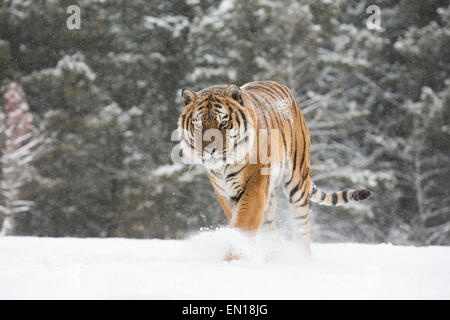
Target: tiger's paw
(230,256)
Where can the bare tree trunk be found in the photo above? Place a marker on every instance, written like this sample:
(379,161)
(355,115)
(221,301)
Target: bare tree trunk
(8,226)
(19,142)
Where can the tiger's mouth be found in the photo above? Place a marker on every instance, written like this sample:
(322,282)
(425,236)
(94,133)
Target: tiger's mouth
(213,162)
(214,157)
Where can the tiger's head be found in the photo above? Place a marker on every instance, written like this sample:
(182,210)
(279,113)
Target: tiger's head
(215,127)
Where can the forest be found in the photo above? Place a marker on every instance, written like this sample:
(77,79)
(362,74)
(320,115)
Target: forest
(88,113)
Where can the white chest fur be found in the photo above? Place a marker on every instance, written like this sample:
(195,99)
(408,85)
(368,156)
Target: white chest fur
(223,187)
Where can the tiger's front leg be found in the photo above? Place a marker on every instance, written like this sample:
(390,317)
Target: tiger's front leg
(248,213)
(249,210)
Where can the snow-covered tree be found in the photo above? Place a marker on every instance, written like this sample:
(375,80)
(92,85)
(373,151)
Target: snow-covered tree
(426,170)
(306,46)
(20,143)
(427,141)
(107,96)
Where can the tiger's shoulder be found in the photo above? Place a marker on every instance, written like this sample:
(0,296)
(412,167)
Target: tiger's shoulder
(271,100)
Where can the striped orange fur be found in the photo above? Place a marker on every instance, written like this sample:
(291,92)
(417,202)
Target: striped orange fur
(244,185)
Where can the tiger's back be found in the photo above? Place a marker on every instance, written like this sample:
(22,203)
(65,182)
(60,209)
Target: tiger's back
(277,111)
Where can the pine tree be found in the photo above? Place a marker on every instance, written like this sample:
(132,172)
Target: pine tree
(107,96)
(427,171)
(424,140)
(78,180)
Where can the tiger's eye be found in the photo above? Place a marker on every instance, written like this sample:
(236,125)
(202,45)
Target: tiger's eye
(223,124)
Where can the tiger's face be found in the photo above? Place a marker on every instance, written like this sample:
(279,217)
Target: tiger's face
(215,127)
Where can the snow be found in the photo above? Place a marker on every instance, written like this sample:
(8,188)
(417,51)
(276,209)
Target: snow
(270,268)
(175,24)
(69,63)
(167,169)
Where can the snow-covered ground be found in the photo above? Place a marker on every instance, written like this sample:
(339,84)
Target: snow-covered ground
(269,268)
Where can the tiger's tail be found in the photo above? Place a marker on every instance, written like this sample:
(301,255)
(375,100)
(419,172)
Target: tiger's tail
(337,198)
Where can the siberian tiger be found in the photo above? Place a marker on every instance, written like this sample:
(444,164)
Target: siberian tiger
(250,140)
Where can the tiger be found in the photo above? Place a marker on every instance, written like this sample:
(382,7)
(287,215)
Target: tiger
(243,181)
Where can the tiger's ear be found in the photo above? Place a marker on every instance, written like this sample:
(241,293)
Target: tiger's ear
(234,92)
(188,96)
